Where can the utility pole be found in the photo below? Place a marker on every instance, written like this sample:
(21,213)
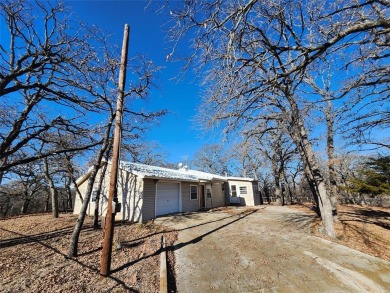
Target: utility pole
(105,263)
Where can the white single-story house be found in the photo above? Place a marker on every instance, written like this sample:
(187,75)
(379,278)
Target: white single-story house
(146,192)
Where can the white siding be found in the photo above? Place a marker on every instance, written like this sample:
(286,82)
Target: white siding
(129,195)
(249,198)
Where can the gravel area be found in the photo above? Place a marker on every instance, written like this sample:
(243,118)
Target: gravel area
(268,249)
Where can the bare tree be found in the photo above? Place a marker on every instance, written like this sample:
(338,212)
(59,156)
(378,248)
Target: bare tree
(251,161)
(44,72)
(274,144)
(342,104)
(257,53)
(213,159)
(73,248)
(134,124)
(54,64)
(27,185)
(145,152)
(52,188)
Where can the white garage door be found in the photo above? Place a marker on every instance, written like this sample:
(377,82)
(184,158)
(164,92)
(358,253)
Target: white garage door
(167,198)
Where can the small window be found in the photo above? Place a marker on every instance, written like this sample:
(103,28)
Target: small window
(193,192)
(243,190)
(255,189)
(208,192)
(94,195)
(234,191)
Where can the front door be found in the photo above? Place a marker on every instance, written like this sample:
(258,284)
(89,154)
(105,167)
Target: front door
(202,199)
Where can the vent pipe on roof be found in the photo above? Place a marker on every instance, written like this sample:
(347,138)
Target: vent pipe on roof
(182,167)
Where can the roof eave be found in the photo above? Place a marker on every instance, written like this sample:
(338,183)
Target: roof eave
(170,178)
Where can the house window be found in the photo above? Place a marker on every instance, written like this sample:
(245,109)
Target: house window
(255,189)
(94,195)
(243,190)
(208,192)
(193,192)
(234,191)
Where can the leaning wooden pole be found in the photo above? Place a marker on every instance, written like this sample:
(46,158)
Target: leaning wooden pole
(105,264)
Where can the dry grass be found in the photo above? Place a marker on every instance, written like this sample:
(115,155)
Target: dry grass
(33,256)
(366,229)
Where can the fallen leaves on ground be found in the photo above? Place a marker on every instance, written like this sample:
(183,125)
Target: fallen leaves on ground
(364,228)
(34,248)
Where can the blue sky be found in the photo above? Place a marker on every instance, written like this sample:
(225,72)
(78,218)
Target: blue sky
(176,132)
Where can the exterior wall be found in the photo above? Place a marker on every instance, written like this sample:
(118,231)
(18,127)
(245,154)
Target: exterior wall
(77,202)
(149,200)
(218,198)
(130,193)
(248,199)
(91,206)
(188,205)
(138,196)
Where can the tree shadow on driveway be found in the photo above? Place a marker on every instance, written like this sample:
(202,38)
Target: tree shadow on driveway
(181,245)
(199,238)
(299,221)
(181,218)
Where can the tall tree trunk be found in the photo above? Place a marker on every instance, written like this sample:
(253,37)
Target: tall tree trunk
(294,182)
(267,192)
(26,204)
(73,248)
(300,137)
(287,188)
(275,171)
(282,183)
(3,162)
(69,199)
(331,161)
(295,196)
(72,179)
(52,188)
(98,193)
(47,202)
(8,207)
(313,189)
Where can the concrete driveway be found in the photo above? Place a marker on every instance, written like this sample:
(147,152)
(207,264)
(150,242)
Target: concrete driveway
(267,249)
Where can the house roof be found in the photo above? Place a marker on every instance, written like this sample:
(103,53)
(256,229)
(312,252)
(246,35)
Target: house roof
(240,179)
(148,171)
(165,173)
